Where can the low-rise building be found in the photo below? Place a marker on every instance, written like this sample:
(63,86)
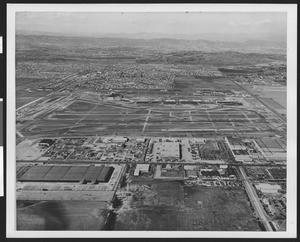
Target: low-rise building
(268,188)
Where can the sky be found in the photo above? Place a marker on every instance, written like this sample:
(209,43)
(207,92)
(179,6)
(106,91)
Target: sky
(254,24)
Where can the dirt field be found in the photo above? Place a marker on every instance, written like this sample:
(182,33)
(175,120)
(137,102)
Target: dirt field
(172,206)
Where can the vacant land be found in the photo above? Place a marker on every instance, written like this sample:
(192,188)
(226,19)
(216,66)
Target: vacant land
(173,206)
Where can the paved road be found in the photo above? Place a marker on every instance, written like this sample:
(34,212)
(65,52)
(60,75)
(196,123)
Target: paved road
(255,200)
(142,162)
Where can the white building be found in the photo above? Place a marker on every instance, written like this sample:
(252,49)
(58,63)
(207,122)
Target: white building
(268,188)
(167,149)
(143,167)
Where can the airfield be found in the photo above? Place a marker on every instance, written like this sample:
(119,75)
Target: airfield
(164,114)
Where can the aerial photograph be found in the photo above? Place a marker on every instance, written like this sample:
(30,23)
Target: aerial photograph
(151,121)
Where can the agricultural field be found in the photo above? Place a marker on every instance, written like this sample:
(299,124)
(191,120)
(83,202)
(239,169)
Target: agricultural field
(189,84)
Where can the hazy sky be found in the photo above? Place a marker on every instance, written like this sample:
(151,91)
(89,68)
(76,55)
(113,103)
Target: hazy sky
(169,23)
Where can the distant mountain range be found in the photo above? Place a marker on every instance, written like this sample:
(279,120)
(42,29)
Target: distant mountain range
(160,43)
(229,37)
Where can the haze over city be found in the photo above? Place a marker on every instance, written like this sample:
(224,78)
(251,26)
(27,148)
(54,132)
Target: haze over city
(226,26)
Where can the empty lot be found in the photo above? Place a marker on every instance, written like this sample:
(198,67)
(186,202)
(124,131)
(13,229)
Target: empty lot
(171,206)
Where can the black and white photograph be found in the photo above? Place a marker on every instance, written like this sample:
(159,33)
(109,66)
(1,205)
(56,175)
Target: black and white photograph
(172,120)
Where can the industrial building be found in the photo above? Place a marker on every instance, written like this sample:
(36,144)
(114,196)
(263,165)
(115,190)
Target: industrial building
(268,188)
(238,149)
(141,168)
(167,149)
(83,174)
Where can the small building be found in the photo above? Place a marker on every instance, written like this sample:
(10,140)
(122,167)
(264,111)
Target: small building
(142,140)
(170,101)
(120,139)
(137,172)
(223,166)
(192,174)
(46,142)
(168,167)
(189,168)
(143,167)
(232,177)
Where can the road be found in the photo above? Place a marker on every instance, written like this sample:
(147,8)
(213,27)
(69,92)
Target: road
(255,200)
(72,161)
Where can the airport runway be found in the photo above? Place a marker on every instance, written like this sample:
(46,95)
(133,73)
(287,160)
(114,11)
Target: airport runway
(143,162)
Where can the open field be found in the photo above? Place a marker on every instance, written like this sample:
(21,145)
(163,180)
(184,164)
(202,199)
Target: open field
(172,206)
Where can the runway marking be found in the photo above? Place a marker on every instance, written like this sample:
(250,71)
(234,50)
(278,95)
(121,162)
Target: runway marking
(247,118)
(209,117)
(18,133)
(190,116)
(146,121)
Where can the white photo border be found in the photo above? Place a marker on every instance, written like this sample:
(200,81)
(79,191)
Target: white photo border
(291,10)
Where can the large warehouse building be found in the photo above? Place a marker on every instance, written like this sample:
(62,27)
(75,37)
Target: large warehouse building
(167,149)
(83,174)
